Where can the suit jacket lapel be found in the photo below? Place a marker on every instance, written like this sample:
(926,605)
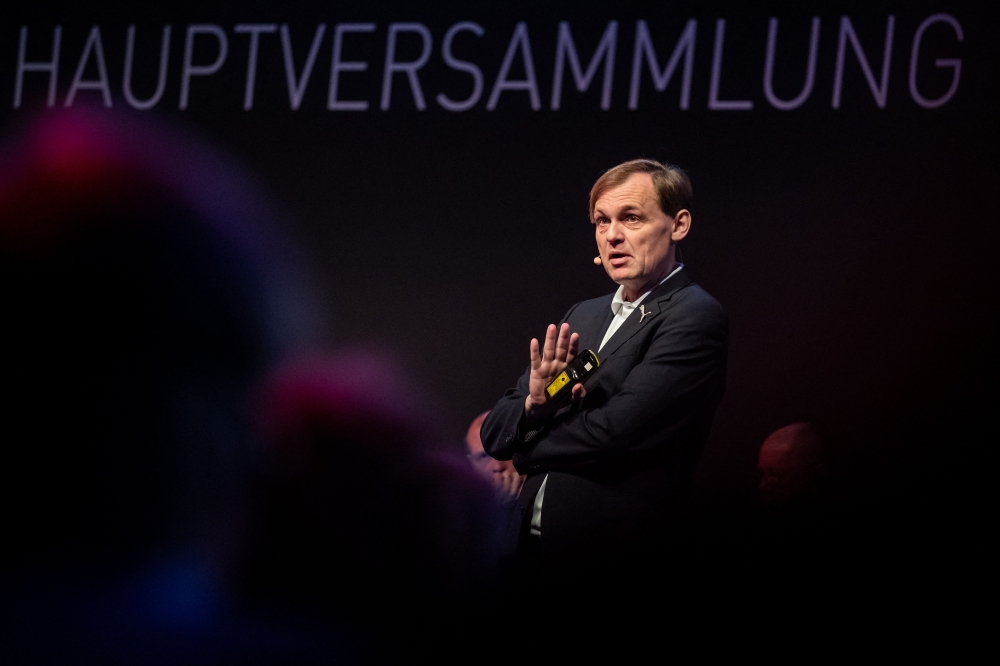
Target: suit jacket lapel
(651,307)
(592,330)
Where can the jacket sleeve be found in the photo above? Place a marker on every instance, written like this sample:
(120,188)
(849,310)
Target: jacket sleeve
(500,432)
(680,376)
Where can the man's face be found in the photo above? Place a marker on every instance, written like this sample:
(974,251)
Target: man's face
(484,464)
(488,467)
(633,234)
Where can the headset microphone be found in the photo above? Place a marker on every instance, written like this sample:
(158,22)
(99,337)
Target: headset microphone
(597,261)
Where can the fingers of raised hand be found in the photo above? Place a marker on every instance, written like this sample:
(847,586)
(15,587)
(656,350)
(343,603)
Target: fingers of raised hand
(574,346)
(562,345)
(536,358)
(549,352)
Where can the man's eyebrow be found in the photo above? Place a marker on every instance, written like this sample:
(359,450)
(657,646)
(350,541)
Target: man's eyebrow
(627,208)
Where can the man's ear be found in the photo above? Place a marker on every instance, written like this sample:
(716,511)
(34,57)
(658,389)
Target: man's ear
(681,225)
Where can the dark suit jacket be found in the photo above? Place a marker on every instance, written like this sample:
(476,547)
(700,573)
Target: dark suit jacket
(619,465)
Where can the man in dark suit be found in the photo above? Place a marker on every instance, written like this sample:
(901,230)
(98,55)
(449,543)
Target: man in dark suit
(608,473)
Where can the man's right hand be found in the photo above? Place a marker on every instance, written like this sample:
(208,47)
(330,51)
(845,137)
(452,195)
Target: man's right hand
(559,349)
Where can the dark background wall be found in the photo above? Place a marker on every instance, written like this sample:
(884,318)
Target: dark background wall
(852,244)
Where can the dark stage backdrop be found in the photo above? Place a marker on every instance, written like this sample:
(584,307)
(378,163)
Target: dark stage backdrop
(434,162)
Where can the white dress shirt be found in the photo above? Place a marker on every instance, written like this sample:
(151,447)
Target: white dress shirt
(622,310)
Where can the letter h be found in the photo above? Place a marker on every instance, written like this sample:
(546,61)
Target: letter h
(52,66)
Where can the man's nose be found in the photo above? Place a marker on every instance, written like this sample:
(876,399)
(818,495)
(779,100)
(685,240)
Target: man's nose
(615,235)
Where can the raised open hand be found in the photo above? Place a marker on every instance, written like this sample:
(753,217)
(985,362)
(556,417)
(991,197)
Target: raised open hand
(546,363)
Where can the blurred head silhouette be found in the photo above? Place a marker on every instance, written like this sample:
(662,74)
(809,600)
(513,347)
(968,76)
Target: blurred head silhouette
(140,307)
(790,466)
(500,473)
(361,515)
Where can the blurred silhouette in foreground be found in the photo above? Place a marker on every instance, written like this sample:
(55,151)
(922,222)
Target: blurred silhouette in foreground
(361,522)
(791,468)
(500,473)
(144,294)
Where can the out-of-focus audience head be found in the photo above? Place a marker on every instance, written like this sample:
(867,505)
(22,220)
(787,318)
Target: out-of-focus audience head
(360,515)
(139,310)
(790,466)
(500,473)
(172,493)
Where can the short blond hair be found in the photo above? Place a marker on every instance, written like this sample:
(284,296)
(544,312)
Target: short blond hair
(672,185)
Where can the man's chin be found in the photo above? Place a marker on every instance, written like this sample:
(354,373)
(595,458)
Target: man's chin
(624,279)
